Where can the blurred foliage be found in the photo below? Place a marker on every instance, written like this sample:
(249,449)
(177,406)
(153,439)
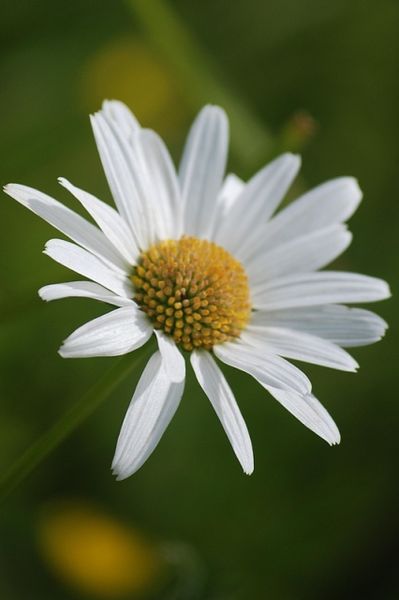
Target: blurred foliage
(312,522)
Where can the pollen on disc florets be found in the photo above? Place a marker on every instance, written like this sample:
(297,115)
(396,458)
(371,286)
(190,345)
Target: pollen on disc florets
(193,290)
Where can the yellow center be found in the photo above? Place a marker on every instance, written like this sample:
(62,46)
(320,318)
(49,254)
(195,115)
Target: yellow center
(193,290)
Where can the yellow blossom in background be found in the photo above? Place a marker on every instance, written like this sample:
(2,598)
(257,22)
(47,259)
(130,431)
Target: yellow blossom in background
(127,69)
(96,554)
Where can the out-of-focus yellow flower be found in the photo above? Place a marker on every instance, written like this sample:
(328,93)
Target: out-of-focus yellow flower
(96,554)
(127,69)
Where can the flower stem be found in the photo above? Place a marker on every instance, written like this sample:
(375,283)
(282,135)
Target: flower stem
(71,420)
(251,142)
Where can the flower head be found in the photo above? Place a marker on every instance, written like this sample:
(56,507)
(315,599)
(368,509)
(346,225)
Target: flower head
(203,262)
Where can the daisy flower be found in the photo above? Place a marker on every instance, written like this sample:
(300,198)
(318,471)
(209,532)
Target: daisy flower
(202,262)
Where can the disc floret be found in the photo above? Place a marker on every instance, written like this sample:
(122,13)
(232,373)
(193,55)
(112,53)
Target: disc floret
(193,290)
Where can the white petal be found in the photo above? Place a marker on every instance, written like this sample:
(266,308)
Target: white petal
(153,405)
(342,325)
(125,178)
(109,220)
(260,197)
(81,289)
(202,169)
(65,220)
(152,170)
(88,265)
(310,289)
(307,253)
(117,332)
(231,189)
(215,386)
(265,366)
(308,410)
(162,184)
(332,202)
(172,358)
(299,346)
(118,113)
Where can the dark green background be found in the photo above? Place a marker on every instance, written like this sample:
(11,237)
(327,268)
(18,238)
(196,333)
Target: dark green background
(313,522)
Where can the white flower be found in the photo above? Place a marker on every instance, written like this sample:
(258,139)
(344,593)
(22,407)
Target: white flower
(203,262)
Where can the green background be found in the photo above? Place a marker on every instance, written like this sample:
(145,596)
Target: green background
(312,522)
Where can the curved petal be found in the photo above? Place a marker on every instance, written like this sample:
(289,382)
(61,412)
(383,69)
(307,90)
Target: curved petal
(308,410)
(82,289)
(153,405)
(109,220)
(299,346)
(113,334)
(332,202)
(265,366)
(303,254)
(202,169)
(68,222)
(342,325)
(260,197)
(215,386)
(309,289)
(88,265)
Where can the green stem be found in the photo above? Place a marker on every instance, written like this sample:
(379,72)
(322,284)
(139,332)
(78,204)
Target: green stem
(251,142)
(70,421)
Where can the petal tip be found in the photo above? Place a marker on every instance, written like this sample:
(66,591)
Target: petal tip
(12,189)
(42,293)
(249,469)
(354,184)
(117,474)
(387,290)
(61,351)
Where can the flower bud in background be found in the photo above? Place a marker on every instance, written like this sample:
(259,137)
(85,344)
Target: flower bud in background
(298,131)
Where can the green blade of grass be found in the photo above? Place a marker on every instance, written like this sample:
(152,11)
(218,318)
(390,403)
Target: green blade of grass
(75,416)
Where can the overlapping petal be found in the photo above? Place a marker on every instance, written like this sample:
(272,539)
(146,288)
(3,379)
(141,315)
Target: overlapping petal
(126,179)
(162,186)
(265,366)
(68,222)
(109,220)
(342,325)
(253,208)
(312,289)
(299,346)
(302,254)
(330,203)
(79,260)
